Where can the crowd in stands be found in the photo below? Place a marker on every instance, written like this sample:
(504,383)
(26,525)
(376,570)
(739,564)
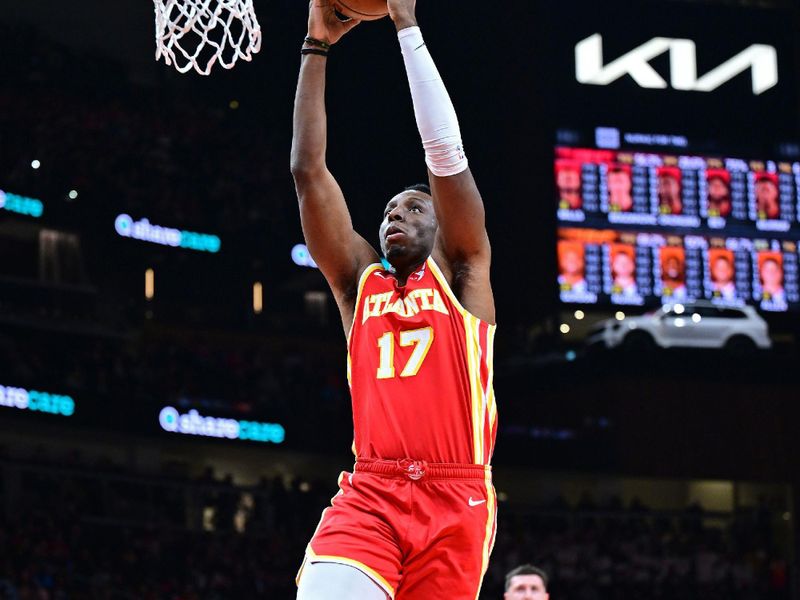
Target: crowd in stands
(259,378)
(71,529)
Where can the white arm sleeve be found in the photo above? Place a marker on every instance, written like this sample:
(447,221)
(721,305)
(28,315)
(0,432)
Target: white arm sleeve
(436,117)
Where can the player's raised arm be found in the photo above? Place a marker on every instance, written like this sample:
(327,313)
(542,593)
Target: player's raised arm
(338,250)
(458,204)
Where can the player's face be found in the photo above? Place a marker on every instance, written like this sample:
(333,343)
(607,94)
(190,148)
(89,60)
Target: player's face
(722,271)
(408,230)
(669,189)
(572,263)
(767,198)
(717,189)
(623,265)
(672,268)
(771,275)
(619,182)
(526,587)
(569,182)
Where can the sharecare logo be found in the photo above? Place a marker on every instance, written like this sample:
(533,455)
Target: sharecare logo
(21,204)
(193,423)
(35,401)
(144,231)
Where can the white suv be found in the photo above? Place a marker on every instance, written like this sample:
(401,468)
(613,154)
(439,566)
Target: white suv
(693,325)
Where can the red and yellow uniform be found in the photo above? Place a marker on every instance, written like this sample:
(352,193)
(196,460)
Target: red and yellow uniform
(417,514)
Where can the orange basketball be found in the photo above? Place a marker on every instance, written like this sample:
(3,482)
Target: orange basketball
(363,10)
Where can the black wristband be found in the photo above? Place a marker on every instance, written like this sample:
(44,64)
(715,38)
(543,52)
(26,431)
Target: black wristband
(305,51)
(319,43)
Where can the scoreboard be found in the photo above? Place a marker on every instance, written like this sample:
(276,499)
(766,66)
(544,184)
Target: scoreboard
(643,226)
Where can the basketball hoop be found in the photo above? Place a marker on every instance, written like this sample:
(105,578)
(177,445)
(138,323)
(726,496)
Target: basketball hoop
(195,34)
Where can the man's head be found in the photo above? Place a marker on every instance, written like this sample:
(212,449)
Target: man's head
(408,229)
(767,198)
(719,196)
(619,188)
(669,192)
(526,582)
(771,275)
(721,270)
(570,259)
(568,181)
(622,265)
(718,188)
(673,269)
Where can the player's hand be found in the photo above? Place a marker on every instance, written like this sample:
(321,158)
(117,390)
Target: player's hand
(323,24)
(403,13)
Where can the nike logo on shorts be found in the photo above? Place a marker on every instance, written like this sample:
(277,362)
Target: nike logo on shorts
(475,502)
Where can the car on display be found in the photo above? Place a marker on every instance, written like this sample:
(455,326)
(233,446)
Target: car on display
(740,330)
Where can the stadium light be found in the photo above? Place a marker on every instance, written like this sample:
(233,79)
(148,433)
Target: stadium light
(258,297)
(149,284)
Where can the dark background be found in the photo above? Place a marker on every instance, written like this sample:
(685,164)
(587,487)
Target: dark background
(80,92)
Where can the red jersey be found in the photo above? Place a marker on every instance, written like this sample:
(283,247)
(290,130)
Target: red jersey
(420,371)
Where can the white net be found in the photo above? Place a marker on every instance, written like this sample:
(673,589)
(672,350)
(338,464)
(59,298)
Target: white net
(196,34)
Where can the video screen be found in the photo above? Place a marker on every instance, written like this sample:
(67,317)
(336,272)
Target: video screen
(639,268)
(643,228)
(644,188)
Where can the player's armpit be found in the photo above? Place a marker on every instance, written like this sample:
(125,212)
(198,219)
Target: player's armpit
(462,241)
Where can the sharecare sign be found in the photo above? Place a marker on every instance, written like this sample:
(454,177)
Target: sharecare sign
(193,423)
(21,204)
(145,231)
(35,401)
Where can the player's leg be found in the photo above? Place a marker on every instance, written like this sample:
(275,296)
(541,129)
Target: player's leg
(359,532)
(332,581)
(450,560)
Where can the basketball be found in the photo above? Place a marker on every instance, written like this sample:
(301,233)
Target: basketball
(363,10)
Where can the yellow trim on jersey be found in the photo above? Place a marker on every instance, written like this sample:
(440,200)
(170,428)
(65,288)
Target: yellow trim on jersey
(439,276)
(488,543)
(490,378)
(343,560)
(473,368)
(361,282)
(482,399)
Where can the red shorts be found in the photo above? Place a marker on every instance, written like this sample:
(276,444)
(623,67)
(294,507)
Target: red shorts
(419,530)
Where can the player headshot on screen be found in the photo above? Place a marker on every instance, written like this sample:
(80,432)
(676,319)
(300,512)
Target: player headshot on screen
(669,191)
(719,193)
(722,272)
(526,582)
(771,274)
(619,189)
(673,275)
(417,514)
(571,267)
(623,270)
(568,181)
(767,204)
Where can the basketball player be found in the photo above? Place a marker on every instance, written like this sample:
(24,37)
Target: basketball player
(415,520)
